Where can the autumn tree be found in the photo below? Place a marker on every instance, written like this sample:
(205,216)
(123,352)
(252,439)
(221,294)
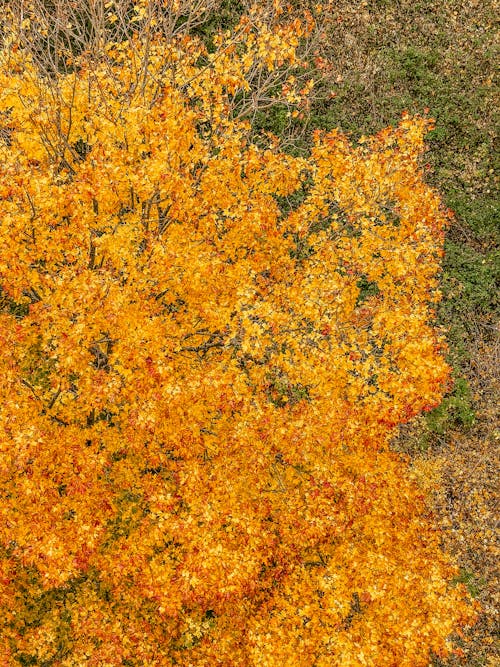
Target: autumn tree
(206,347)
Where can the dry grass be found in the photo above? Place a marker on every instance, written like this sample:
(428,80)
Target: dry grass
(466,503)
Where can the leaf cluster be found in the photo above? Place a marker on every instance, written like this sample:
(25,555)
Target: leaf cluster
(200,380)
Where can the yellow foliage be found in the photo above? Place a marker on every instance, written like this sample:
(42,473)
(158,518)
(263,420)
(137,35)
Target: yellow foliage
(206,345)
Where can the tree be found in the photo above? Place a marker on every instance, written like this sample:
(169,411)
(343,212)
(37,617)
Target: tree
(207,345)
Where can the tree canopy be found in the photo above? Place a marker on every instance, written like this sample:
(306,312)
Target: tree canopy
(207,345)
